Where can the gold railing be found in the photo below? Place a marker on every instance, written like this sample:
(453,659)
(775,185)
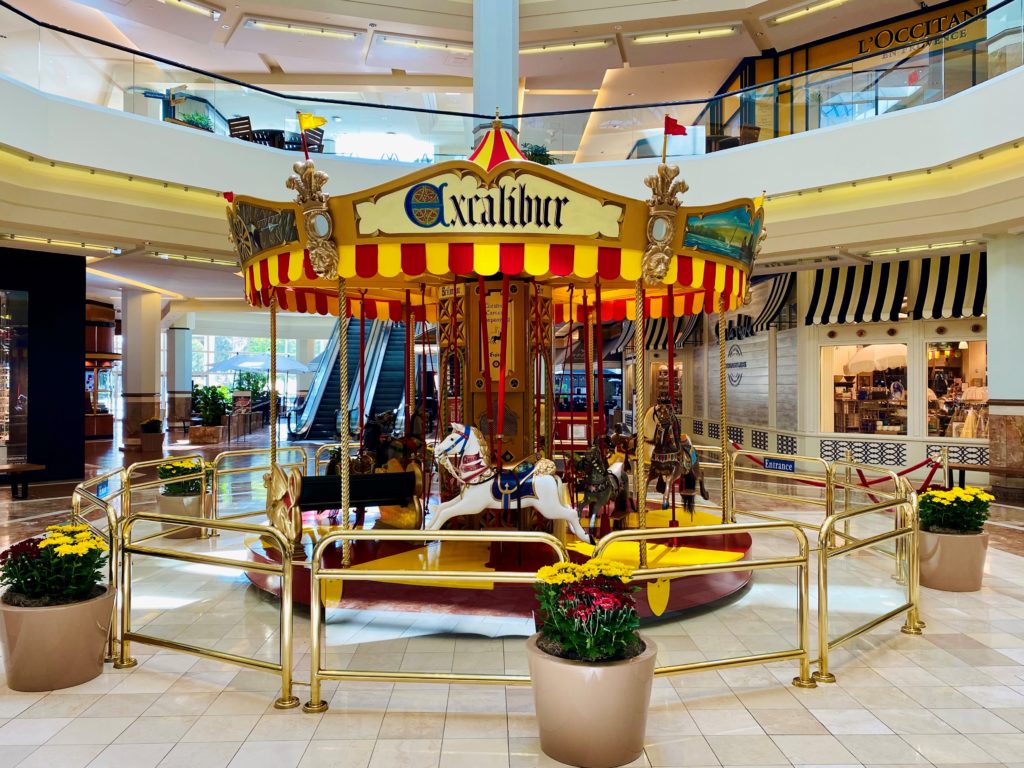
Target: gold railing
(319,462)
(131,486)
(715,451)
(130,548)
(807,477)
(288,457)
(905,534)
(319,575)
(799,561)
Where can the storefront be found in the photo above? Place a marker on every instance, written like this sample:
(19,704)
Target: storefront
(886,361)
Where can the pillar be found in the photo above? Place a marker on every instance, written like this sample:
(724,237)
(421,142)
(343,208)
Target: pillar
(179,371)
(140,328)
(495,59)
(1005,364)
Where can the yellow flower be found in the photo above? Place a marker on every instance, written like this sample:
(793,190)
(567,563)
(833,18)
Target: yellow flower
(73,549)
(55,540)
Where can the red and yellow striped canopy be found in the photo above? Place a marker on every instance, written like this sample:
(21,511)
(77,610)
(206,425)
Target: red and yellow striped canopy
(497,147)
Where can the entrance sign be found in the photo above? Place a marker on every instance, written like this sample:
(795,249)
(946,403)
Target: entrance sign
(780,465)
(516,202)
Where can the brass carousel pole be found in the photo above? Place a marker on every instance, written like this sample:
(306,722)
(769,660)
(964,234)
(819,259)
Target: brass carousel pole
(273,380)
(723,416)
(343,437)
(639,410)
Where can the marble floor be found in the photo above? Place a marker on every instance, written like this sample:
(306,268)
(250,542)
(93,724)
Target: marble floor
(953,696)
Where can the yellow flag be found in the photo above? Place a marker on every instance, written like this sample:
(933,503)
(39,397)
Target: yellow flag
(308,121)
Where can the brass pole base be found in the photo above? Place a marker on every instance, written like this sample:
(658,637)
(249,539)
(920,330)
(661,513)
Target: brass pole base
(911,629)
(309,706)
(827,677)
(799,682)
(126,664)
(288,702)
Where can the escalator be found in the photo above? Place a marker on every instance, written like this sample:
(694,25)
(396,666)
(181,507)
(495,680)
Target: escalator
(317,418)
(388,391)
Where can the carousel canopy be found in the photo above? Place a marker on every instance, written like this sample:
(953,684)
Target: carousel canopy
(495,213)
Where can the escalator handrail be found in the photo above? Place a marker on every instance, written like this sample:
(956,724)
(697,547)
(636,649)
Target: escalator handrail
(375,362)
(372,353)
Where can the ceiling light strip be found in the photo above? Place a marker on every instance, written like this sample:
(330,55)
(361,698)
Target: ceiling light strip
(196,6)
(60,243)
(298,28)
(682,35)
(799,13)
(919,248)
(583,45)
(429,45)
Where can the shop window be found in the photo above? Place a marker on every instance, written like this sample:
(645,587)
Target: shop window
(958,389)
(866,389)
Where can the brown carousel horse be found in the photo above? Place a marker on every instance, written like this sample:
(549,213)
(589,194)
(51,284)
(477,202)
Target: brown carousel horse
(671,457)
(598,485)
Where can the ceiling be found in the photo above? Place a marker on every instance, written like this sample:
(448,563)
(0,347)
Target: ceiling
(370,68)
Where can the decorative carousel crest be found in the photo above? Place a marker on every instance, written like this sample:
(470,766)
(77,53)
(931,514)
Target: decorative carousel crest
(661,226)
(308,182)
(240,237)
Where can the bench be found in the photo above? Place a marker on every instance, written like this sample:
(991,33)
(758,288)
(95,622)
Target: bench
(17,473)
(323,492)
(963,469)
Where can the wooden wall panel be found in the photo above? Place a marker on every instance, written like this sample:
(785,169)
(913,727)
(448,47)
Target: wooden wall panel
(786,380)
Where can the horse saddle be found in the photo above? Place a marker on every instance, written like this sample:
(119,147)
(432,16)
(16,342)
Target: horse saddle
(512,484)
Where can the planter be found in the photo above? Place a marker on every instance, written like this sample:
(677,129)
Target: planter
(953,562)
(569,694)
(183,506)
(152,442)
(205,435)
(55,646)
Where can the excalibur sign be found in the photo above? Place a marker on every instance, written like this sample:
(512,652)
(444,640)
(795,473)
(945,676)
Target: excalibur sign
(509,205)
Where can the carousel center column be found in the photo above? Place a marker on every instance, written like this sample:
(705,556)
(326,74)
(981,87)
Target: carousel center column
(140,387)
(1005,264)
(495,60)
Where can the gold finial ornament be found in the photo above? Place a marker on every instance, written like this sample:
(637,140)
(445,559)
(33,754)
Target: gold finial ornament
(309,183)
(663,204)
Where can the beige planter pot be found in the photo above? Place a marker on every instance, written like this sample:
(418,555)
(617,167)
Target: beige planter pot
(952,562)
(152,442)
(57,646)
(613,696)
(184,506)
(205,435)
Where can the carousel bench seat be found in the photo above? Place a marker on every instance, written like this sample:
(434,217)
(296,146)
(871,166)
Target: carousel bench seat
(320,492)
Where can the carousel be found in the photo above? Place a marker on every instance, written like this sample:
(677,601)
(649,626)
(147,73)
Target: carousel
(486,257)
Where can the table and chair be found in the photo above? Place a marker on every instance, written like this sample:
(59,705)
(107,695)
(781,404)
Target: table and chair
(241,128)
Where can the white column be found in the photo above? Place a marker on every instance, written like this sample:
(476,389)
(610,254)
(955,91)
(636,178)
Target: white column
(495,59)
(179,370)
(140,328)
(1005,313)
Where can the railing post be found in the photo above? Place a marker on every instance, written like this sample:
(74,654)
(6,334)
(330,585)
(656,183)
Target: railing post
(805,679)
(287,700)
(124,659)
(823,675)
(316,607)
(947,478)
(913,624)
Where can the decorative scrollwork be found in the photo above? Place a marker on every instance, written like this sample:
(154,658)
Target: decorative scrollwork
(664,204)
(309,183)
(240,237)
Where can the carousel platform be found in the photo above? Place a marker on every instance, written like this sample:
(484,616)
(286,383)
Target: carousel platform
(484,597)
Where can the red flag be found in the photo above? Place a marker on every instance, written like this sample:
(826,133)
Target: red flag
(673,128)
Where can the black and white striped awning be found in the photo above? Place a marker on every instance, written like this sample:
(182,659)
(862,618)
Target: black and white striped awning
(656,333)
(951,286)
(770,295)
(872,293)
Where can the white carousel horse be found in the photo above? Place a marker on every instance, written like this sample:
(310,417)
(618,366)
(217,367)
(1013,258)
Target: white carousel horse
(463,454)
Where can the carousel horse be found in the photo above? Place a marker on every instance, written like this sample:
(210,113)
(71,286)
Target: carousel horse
(671,457)
(464,454)
(599,485)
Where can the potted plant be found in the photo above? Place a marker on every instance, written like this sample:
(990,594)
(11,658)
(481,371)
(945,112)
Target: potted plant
(952,544)
(538,153)
(589,661)
(151,433)
(212,404)
(55,612)
(184,497)
(197,120)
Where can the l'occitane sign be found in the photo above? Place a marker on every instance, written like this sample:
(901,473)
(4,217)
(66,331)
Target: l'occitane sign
(514,203)
(927,25)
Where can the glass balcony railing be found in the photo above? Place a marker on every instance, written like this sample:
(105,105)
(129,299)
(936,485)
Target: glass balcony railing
(420,127)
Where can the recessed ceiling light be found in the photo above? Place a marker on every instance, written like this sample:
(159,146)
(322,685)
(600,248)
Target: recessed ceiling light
(799,13)
(225,26)
(196,6)
(431,45)
(573,46)
(313,30)
(683,34)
